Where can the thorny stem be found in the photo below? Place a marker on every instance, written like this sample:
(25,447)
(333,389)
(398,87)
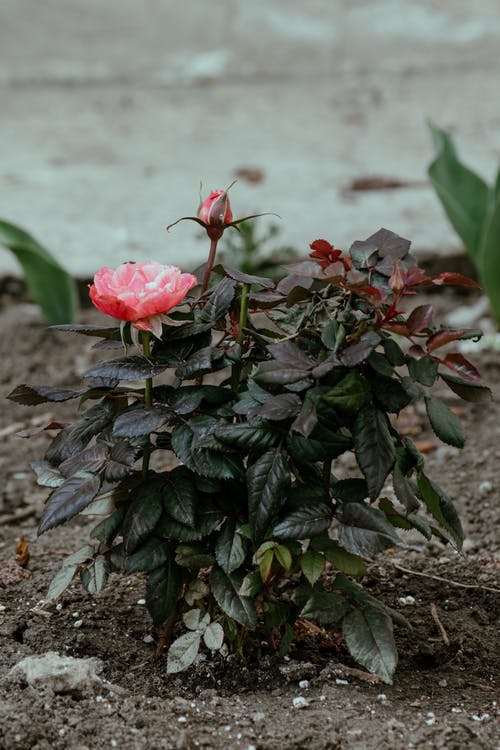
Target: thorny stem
(209,266)
(148,399)
(236,368)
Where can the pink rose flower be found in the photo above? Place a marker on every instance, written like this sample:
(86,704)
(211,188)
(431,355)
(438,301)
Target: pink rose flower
(215,211)
(141,293)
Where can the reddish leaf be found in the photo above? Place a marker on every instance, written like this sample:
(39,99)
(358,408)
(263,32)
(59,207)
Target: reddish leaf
(462,366)
(420,318)
(415,276)
(452,278)
(445,337)
(399,328)
(416,351)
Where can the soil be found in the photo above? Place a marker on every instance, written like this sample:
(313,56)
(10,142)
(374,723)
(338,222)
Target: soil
(444,689)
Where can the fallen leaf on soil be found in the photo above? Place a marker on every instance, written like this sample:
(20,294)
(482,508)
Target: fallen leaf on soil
(250,174)
(425,446)
(379,183)
(22,552)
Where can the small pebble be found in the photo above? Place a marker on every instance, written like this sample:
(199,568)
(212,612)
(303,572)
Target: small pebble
(443,683)
(181,719)
(114,743)
(300,702)
(78,624)
(431,719)
(99,698)
(456,710)
(304,684)
(148,639)
(322,697)
(382,697)
(75,614)
(406,600)
(141,601)
(2,607)
(59,607)
(338,681)
(251,747)
(485,487)
(481,717)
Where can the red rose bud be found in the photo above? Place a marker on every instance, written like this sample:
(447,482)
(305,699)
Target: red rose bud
(215,211)
(397,281)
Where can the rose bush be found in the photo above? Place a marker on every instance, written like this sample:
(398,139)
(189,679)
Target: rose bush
(250,523)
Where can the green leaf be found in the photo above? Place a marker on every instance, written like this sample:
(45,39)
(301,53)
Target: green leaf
(106,530)
(278,373)
(142,515)
(265,564)
(345,561)
(124,368)
(193,556)
(230,549)
(225,589)
(141,421)
(69,499)
(268,480)
(441,508)
(163,589)
(304,522)
(251,584)
(423,370)
(466,390)
(95,576)
(369,637)
(321,445)
(404,490)
(203,461)
(218,302)
(350,394)
(444,423)
(487,261)
(463,194)
(390,393)
(180,497)
(374,448)
(284,557)
(324,607)
(312,565)
(393,352)
(29,394)
(257,436)
(214,636)
(207,519)
(365,530)
(152,554)
(183,651)
(350,490)
(50,285)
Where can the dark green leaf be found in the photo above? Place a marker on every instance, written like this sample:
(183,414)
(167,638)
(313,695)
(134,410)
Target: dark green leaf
(69,499)
(225,589)
(230,548)
(89,459)
(38,394)
(390,393)
(51,286)
(393,352)
(152,554)
(363,254)
(203,461)
(312,565)
(424,370)
(343,560)
(125,368)
(142,515)
(268,480)
(106,530)
(207,519)
(255,436)
(305,522)
(193,556)
(365,530)
(380,363)
(466,390)
(251,584)
(95,576)
(322,445)
(357,352)
(441,508)
(218,302)
(375,452)
(105,332)
(74,438)
(201,362)
(324,607)
(141,421)
(350,490)
(369,637)
(279,407)
(180,497)
(404,490)
(246,278)
(277,373)
(350,394)
(188,398)
(444,423)
(163,589)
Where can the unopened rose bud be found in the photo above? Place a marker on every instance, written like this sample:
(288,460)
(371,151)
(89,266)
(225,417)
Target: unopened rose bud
(215,211)
(397,281)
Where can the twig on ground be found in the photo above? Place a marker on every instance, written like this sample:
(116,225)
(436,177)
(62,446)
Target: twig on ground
(18,515)
(435,617)
(446,580)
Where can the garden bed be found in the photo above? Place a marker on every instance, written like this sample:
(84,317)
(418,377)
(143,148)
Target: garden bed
(444,688)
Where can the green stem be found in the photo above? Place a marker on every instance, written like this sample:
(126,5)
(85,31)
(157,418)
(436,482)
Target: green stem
(236,368)
(209,266)
(148,399)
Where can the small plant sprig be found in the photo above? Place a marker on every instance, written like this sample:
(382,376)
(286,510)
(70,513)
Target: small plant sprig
(229,495)
(473,208)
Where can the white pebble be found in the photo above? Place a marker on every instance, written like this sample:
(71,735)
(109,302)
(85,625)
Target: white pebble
(78,624)
(114,743)
(59,607)
(406,600)
(482,717)
(99,698)
(181,719)
(227,728)
(456,710)
(2,607)
(148,639)
(304,684)
(300,702)
(382,697)
(75,614)
(251,747)
(431,720)
(141,601)
(443,683)
(485,487)
(338,681)
(322,697)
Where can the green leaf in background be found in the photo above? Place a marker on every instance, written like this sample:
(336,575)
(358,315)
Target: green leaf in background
(52,288)
(489,255)
(463,194)
(369,637)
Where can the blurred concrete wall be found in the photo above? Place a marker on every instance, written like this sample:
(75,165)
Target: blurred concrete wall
(113,111)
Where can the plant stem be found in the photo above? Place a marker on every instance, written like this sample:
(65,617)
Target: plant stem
(236,368)
(148,399)
(327,472)
(209,266)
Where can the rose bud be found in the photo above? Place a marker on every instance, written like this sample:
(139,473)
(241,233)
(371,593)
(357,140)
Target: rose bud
(215,211)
